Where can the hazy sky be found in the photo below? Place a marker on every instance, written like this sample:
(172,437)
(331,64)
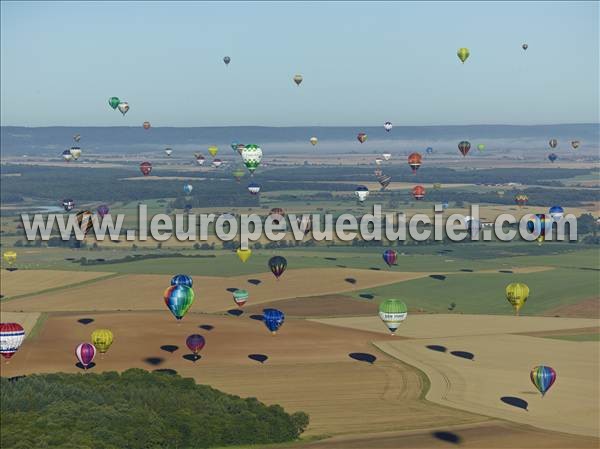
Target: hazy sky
(363,63)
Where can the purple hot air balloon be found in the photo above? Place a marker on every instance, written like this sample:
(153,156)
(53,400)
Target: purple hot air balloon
(102,210)
(195,343)
(85,353)
(390,257)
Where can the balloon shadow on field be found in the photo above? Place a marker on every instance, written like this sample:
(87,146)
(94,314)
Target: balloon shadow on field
(85,321)
(375,268)
(169,348)
(257,317)
(437,348)
(463,354)
(438,277)
(235,312)
(80,366)
(260,358)
(341,266)
(206,327)
(466,270)
(232,289)
(100,260)
(515,402)
(70,259)
(363,357)
(154,361)
(192,357)
(11,269)
(168,371)
(367,295)
(448,437)
(254,281)
(330,258)
(505,271)
(350,280)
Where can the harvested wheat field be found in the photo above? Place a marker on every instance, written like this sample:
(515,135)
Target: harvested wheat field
(26,282)
(320,306)
(490,375)
(590,308)
(308,366)
(445,325)
(144,292)
(27,320)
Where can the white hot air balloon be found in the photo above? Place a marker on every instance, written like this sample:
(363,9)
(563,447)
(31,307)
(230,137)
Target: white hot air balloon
(387,156)
(123,107)
(362,193)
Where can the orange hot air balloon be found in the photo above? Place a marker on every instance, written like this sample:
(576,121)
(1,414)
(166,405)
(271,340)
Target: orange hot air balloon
(418,192)
(146,168)
(146,125)
(414,160)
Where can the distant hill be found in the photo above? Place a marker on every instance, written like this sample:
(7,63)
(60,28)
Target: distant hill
(16,140)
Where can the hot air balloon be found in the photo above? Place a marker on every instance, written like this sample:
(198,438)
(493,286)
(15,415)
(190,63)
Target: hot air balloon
(11,338)
(67,156)
(392,312)
(388,126)
(575,144)
(199,158)
(254,188)
(213,150)
(543,377)
(77,137)
(277,265)
(378,161)
(75,152)
(179,299)
(524,46)
(378,172)
(273,319)
(429,150)
(304,223)
(240,297)
(240,147)
(552,157)
(537,224)
(182,279)
(195,343)
(68,204)
(168,151)
(437,186)
(102,210)
(10,257)
(463,54)
(187,188)
(146,125)
(313,141)
(521,199)
(244,254)
(226,60)
(517,294)
(362,193)
(234,145)
(384,181)
(187,208)
(414,161)
(362,137)
(146,168)
(217,163)
(85,353)
(553,143)
(123,107)
(238,173)
(464,147)
(251,155)
(113,102)
(84,221)
(445,205)
(102,339)
(387,156)
(480,146)
(390,257)
(418,192)
(556,212)
(298,79)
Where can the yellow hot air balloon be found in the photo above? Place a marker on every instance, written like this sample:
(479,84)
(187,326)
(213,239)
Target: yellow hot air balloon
(517,294)
(102,339)
(213,150)
(314,140)
(244,254)
(463,54)
(10,257)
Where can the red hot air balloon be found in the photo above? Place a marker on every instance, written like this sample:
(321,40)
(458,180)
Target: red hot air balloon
(11,338)
(464,147)
(146,125)
(85,353)
(390,257)
(146,168)
(414,160)
(418,192)
(362,137)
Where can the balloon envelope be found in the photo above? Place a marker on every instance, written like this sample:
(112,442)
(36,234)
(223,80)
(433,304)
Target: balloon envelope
(517,294)
(182,279)
(463,54)
(179,299)
(464,147)
(390,257)
(244,254)
(102,339)
(10,257)
(392,312)
(251,155)
(543,377)
(226,60)
(195,343)
(146,168)
(85,353)
(277,265)
(273,319)
(113,102)
(11,338)
(298,79)
(388,126)
(240,297)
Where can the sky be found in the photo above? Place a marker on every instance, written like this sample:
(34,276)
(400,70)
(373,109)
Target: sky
(363,63)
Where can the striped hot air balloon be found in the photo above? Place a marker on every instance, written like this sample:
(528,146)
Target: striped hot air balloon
(277,265)
(392,312)
(390,257)
(240,297)
(11,339)
(85,353)
(418,192)
(414,161)
(543,377)
(179,299)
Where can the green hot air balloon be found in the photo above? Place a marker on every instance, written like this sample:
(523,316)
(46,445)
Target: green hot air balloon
(463,54)
(481,147)
(113,102)
(251,156)
(240,297)
(179,299)
(392,312)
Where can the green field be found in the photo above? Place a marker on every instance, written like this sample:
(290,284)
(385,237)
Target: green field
(577,337)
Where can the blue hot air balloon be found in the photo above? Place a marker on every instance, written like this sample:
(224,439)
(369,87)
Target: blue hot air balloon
(429,150)
(556,212)
(273,319)
(179,299)
(187,189)
(182,279)
(390,257)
